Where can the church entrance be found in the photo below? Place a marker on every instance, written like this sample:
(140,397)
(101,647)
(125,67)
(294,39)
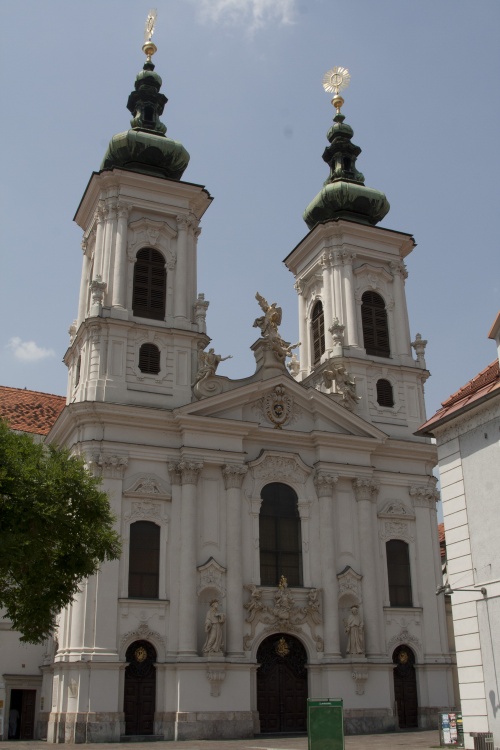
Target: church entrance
(140,688)
(405,687)
(282,684)
(22,715)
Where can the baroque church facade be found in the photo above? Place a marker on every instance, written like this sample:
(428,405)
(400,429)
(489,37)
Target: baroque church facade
(279,531)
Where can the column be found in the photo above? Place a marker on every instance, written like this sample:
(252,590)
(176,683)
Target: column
(401,323)
(120,267)
(84,285)
(350,302)
(233,480)
(338,307)
(190,472)
(99,248)
(175,545)
(365,491)
(180,303)
(304,342)
(325,484)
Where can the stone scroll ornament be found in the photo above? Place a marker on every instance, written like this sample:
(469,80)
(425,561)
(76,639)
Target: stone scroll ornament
(282,613)
(207,383)
(268,325)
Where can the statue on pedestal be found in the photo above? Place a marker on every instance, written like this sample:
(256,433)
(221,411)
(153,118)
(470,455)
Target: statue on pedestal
(213,628)
(355,632)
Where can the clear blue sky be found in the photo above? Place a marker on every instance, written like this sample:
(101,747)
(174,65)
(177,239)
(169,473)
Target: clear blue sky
(243,78)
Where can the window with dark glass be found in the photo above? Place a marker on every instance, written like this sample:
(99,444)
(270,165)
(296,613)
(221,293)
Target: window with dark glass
(150,285)
(78,370)
(398,572)
(144,560)
(149,359)
(385,395)
(318,332)
(280,537)
(375,327)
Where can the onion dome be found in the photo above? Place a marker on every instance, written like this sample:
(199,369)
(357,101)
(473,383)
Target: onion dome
(145,147)
(344,194)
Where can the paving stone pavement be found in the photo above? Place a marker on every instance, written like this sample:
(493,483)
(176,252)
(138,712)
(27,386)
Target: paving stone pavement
(408,740)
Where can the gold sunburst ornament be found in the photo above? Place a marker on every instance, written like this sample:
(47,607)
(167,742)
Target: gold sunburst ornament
(334,81)
(149,48)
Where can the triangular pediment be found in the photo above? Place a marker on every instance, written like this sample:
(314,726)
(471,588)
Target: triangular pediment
(282,403)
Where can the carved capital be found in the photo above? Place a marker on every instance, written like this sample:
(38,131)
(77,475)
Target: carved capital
(325,483)
(365,489)
(299,287)
(110,210)
(190,471)
(123,210)
(108,465)
(175,474)
(233,475)
(99,214)
(424,496)
(182,222)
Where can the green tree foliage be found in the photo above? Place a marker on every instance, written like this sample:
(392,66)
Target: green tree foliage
(56,528)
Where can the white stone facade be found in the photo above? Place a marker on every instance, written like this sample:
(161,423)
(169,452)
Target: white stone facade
(195,464)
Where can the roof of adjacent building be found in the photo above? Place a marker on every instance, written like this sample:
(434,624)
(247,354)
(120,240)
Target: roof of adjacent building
(442,541)
(30,411)
(485,385)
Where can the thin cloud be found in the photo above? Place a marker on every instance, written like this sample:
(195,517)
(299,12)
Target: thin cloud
(253,13)
(28,351)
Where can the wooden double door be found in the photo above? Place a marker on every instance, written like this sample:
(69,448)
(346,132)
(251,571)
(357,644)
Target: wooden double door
(282,685)
(140,689)
(405,687)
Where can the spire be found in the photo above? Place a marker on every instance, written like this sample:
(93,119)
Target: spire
(145,147)
(344,195)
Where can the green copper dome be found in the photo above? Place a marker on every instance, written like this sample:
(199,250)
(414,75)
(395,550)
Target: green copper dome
(145,148)
(344,194)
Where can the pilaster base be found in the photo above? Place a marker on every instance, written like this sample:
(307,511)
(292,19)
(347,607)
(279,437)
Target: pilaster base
(81,728)
(209,725)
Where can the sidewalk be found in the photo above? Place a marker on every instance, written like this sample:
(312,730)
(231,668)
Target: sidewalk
(410,740)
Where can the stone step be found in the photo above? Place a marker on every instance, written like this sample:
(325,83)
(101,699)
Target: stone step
(142,738)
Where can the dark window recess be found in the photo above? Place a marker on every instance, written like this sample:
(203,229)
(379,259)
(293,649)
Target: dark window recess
(78,369)
(318,332)
(149,359)
(398,572)
(375,328)
(385,395)
(144,560)
(150,285)
(280,537)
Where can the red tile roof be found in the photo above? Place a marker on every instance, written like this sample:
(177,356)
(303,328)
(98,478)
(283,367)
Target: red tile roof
(484,385)
(30,411)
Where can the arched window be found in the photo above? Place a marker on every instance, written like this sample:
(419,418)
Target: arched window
(317,332)
(385,396)
(144,560)
(280,537)
(149,359)
(150,285)
(398,572)
(375,328)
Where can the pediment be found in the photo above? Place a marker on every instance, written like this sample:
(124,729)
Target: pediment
(146,486)
(282,403)
(396,509)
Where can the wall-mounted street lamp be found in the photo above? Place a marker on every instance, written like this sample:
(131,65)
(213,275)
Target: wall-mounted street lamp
(447,589)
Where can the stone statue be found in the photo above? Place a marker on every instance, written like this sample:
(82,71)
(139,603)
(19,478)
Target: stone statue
(268,324)
(355,632)
(312,608)
(255,605)
(213,628)
(344,384)
(208,363)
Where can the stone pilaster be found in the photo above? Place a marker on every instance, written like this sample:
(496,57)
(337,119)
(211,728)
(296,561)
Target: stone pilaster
(189,472)
(120,268)
(233,480)
(325,485)
(180,304)
(365,492)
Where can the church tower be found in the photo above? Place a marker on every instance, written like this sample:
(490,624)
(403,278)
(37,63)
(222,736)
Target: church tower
(350,279)
(140,322)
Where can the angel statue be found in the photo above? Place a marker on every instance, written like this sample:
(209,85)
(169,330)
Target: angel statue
(208,363)
(269,322)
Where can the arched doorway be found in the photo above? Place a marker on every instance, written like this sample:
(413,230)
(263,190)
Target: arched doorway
(282,684)
(140,688)
(405,687)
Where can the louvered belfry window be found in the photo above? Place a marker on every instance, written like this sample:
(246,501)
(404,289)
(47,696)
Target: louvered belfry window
(150,285)
(375,328)
(318,332)
(385,395)
(149,359)
(280,536)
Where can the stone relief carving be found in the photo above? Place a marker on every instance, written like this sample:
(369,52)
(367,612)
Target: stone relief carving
(345,385)
(282,613)
(354,627)
(404,636)
(278,407)
(107,464)
(214,621)
(144,509)
(146,485)
(350,583)
(395,529)
(360,677)
(395,509)
(73,688)
(143,633)
(215,677)
(279,468)
(211,576)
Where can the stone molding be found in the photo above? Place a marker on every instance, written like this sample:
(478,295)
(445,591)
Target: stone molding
(278,467)
(350,583)
(143,633)
(149,233)
(403,637)
(234,475)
